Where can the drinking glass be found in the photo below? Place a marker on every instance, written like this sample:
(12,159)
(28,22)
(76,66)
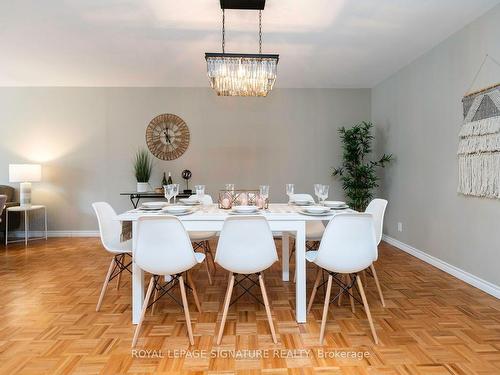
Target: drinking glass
(324,193)
(289,191)
(230,187)
(317,191)
(176,192)
(169,192)
(200,192)
(264,193)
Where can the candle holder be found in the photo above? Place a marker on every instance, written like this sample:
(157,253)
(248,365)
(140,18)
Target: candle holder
(229,198)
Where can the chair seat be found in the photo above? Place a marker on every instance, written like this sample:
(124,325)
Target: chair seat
(200,257)
(122,247)
(314,230)
(201,236)
(311,255)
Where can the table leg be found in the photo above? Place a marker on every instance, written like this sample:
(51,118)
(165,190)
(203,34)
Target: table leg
(45,212)
(285,261)
(300,272)
(25,228)
(137,280)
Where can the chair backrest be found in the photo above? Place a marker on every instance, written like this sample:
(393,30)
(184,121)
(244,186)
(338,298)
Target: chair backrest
(9,191)
(163,246)
(207,199)
(109,228)
(246,245)
(302,197)
(377,209)
(348,244)
(3,200)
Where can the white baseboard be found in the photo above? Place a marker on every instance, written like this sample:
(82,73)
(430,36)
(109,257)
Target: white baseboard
(465,276)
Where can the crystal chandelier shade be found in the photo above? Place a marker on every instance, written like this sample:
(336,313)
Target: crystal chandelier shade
(241,74)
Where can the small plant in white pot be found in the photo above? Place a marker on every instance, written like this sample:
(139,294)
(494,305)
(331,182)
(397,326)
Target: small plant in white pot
(142,168)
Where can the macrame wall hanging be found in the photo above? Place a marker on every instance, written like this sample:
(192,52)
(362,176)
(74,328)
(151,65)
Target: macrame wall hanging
(479,143)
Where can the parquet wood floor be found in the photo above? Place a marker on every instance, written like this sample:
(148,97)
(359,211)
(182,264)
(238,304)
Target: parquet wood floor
(433,324)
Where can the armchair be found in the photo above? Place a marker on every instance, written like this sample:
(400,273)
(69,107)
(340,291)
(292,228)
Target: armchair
(14,217)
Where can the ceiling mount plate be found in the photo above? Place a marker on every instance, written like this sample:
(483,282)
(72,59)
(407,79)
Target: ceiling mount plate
(243,4)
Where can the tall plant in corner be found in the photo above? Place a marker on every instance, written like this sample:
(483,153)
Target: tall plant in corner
(357,174)
(143,166)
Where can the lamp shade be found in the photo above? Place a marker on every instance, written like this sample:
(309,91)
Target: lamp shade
(25,172)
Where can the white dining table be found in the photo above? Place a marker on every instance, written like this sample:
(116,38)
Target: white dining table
(284,219)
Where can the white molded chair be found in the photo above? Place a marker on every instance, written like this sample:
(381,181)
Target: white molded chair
(246,246)
(377,209)
(202,239)
(314,229)
(348,247)
(164,248)
(110,230)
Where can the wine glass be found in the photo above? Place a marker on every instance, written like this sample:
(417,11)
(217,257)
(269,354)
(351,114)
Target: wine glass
(169,192)
(176,192)
(289,191)
(317,191)
(264,193)
(324,193)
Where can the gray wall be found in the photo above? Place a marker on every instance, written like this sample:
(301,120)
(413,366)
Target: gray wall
(418,113)
(86,138)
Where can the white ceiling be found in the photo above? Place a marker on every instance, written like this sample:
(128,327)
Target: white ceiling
(322,43)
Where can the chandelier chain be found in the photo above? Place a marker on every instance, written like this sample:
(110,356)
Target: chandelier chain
(260,31)
(223,31)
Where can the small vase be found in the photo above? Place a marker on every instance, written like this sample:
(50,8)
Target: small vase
(142,187)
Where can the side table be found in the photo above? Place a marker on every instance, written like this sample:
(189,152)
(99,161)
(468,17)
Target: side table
(26,210)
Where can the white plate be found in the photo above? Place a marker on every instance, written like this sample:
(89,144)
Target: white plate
(243,213)
(181,213)
(316,209)
(302,203)
(153,204)
(189,202)
(345,207)
(176,209)
(303,212)
(244,209)
(143,208)
(334,203)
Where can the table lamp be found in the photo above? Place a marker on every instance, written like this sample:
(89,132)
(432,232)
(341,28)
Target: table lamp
(25,174)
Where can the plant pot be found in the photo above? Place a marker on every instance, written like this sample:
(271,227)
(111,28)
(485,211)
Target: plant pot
(142,187)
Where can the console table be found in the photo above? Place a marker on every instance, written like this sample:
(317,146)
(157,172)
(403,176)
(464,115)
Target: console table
(135,197)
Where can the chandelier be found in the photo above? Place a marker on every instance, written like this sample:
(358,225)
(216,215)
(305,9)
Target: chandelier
(241,74)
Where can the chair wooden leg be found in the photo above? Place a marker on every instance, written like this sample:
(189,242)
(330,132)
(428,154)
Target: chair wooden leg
(372,267)
(325,309)
(105,285)
(268,308)
(119,277)
(193,287)
(214,266)
(206,264)
(227,300)
(186,310)
(143,312)
(367,309)
(351,298)
(315,289)
(341,291)
(155,296)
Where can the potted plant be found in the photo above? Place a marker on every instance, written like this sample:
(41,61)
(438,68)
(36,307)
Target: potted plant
(358,175)
(142,169)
